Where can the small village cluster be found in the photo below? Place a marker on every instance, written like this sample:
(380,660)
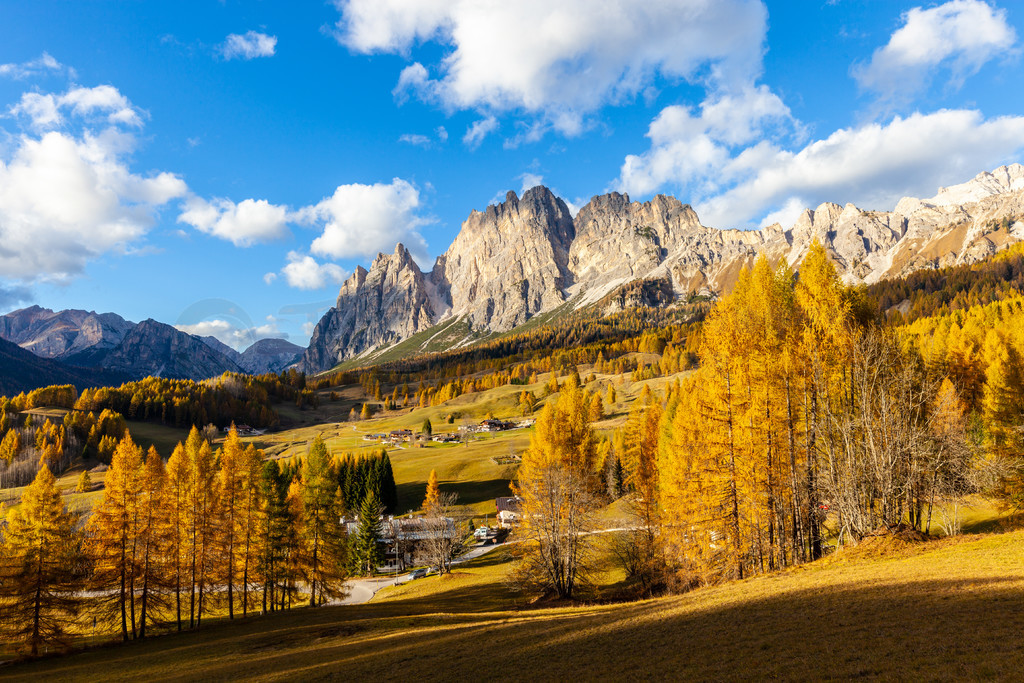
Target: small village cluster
(400,436)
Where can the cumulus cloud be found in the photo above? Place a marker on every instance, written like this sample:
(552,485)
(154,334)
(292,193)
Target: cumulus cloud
(960,36)
(872,165)
(243,224)
(557,59)
(65,200)
(236,336)
(693,147)
(68,196)
(362,220)
(103,103)
(303,272)
(249,45)
(43,64)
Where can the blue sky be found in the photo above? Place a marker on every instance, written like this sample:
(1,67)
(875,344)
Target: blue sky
(223,165)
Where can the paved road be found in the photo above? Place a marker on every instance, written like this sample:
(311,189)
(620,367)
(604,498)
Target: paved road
(362,590)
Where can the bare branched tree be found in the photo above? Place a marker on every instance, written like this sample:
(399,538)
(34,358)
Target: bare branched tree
(555,552)
(443,532)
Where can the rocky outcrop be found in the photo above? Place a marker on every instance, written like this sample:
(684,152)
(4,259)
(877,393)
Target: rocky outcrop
(509,262)
(529,255)
(71,336)
(269,355)
(385,304)
(159,350)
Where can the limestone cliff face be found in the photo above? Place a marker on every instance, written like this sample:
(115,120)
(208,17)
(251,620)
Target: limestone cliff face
(379,306)
(529,255)
(509,262)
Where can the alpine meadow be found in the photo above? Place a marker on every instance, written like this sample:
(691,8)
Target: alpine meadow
(755,411)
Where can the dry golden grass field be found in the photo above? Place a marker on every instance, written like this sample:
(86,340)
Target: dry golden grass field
(948,609)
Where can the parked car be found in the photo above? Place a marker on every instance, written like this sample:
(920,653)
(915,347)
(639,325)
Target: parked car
(482,533)
(418,573)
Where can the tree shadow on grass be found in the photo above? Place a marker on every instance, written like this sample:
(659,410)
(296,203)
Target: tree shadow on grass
(410,494)
(929,629)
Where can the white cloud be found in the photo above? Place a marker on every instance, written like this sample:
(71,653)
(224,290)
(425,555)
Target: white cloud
(362,220)
(269,278)
(426,141)
(416,140)
(961,35)
(476,133)
(103,103)
(65,200)
(249,45)
(235,336)
(694,149)
(872,166)
(558,59)
(36,67)
(303,272)
(245,223)
(530,180)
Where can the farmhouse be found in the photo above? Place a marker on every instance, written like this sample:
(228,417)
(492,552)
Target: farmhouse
(403,538)
(509,511)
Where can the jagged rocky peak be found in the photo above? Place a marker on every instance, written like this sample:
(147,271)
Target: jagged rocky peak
(510,261)
(391,301)
(528,255)
(617,240)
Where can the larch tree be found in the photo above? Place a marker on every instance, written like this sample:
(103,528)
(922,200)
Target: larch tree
(155,582)
(557,482)
(322,534)
(232,512)
(41,575)
(432,498)
(114,531)
(175,521)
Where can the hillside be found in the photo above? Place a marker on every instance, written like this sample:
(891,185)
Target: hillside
(944,610)
(21,371)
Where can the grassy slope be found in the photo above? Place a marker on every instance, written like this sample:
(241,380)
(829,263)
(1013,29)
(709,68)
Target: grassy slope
(946,609)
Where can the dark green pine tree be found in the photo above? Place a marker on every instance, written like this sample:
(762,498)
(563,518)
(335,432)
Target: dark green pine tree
(388,488)
(367,549)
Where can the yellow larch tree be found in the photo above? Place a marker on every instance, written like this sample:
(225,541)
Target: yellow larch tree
(40,567)
(114,530)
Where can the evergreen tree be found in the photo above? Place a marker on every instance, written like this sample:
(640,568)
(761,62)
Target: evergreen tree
(367,553)
(427,428)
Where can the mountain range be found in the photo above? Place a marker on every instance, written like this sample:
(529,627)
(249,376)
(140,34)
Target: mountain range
(86,345)
(529,255)
(525,257)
